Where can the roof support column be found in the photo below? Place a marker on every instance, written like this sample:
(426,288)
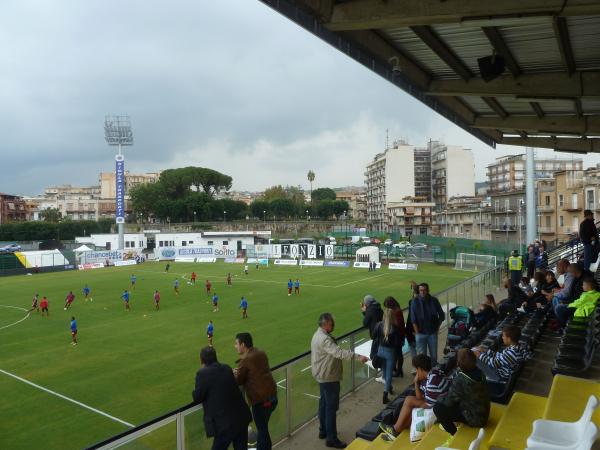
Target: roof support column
(530,197)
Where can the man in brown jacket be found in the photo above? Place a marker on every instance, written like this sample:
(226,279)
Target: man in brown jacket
(261,391)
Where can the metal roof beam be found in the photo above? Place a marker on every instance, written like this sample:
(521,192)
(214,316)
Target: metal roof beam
(439,47)
(373,14)
(535,86)
(562,144)
(537,109)
(549,124)
(495,38)
(496,107)
(561,30)
(323,9)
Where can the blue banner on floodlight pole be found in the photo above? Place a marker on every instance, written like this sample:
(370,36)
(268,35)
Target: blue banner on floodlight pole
(120,191)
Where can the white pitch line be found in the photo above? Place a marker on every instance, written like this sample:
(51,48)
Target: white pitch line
(306,368)
(359,340)
(362,279)
(313,396)
(18,321)
(67,398)
(281,381)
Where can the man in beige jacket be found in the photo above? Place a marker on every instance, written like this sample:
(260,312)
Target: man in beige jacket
(326,364)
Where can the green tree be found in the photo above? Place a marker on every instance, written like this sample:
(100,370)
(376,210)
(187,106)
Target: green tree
(322,194)
(260,209)
(283,208)
(325,209)
(340,206)
(51,215)
(311,177)
(274,193)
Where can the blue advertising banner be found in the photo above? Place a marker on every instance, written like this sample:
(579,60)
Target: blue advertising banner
(120,188)
(337,264)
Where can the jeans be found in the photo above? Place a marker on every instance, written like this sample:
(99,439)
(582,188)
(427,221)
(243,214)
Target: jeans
(587,255)
(427,341)
(238,439)
(562,313)
(413,348)
(447,415)
(261,416)
(329,403)
(387,354)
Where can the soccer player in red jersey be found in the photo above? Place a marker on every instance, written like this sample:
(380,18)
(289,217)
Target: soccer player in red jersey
(44,306)
(69,300)
(208,287)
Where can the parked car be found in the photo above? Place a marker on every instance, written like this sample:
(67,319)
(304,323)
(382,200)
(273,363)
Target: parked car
(419,245)
(375,241)
(365,240)
(332,240)
(388,242)
(10,248)
(403,244)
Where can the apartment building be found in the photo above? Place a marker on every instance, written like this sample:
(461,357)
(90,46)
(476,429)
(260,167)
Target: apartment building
(108,183)
(412,216)
(452,173)
(12,208)
(389,178)
(506,179)
(464,217)
(356,202)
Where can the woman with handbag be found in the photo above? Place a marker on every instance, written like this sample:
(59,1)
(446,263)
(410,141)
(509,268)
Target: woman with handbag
(386,336)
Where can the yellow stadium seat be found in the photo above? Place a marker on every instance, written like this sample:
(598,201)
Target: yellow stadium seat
(465,435)
(436,437)
(568,397)
(515,426)
(359,444)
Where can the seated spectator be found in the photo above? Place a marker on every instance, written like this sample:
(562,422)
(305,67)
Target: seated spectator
(525,285)
(574,283)
(430,385)
(550,284)
(487,312)
(516,298)
(536,298)
(468,400)
(583,307)
(499,366)
(562,268)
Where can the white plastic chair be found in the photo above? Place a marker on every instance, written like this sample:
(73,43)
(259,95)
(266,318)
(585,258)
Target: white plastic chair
(555,435)
(473,446)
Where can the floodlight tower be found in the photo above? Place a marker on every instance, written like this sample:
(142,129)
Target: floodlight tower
(117,132)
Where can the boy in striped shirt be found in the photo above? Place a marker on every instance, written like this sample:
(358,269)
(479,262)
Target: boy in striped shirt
(430,384)
(501,365)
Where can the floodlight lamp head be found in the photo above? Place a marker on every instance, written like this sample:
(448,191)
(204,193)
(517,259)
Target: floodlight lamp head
(117,130)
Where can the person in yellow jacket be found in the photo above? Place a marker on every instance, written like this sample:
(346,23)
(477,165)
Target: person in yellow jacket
(588,300)
(515,267)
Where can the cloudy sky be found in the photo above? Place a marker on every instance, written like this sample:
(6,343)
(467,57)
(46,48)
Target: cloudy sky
(225,84)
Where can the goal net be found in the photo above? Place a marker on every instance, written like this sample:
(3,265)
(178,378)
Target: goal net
(470,261)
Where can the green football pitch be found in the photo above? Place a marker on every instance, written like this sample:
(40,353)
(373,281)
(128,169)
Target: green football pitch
(130,367)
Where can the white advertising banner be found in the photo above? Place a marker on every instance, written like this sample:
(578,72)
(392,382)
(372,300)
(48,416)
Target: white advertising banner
(285,262)
(162,253)
(129,262)
(310,262)
(403,266)
(365,265)
(90,266)
(111,255)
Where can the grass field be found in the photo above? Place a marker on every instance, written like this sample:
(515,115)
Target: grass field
(136,365)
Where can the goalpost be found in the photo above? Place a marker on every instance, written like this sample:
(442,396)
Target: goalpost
(472,262)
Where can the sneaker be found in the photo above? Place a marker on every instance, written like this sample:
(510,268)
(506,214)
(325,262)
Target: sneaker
(413,371)
(380,380)
(388,430)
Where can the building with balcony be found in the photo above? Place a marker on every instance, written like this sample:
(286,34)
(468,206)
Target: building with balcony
(464,217)
(452,173)
(12,208)
(357,204)
(108,182)
(410,217)
(389,178)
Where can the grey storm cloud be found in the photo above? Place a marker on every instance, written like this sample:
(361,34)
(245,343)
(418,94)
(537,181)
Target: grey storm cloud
(228,84)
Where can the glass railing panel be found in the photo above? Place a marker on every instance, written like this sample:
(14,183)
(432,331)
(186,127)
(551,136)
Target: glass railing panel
(362,372)
(195,436)
(278,423)
(163,437)
(304,398)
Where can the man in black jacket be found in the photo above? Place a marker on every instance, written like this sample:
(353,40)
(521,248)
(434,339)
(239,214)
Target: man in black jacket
(589,236)
(226,415)
(372,313)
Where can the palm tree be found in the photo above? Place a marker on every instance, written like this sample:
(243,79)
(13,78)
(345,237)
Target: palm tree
(311,177)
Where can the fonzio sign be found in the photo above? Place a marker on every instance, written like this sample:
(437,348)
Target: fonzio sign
(304,251)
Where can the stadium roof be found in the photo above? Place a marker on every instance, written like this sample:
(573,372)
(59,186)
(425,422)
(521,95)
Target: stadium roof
(548,96)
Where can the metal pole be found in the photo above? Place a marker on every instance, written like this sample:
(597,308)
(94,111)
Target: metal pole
(352,363)
(121,226)
(288,399)
(530,203)
(520,233)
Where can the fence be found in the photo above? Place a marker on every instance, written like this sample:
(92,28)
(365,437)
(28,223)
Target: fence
(36,261)
(183,428)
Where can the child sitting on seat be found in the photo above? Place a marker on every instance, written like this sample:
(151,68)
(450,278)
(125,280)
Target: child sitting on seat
(506,361)
(468,400)
(430,384)
(584,306)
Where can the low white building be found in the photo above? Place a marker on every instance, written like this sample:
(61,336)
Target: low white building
(133,241)
(231,239)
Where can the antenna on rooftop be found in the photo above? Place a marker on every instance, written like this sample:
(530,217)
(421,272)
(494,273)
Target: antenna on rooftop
(387,138)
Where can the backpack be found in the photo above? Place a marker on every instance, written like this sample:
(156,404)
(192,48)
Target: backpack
(462,321)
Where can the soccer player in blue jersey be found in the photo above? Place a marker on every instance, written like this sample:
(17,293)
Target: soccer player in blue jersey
(244,307)
(290,286)
(86,293)
(73,331)
(176,287)
(215,302)
(133,280)
(210,329)
(297,287)
(125,297)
